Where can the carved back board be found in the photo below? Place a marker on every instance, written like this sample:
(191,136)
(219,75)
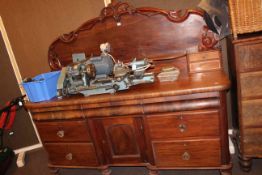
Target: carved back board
(135,32)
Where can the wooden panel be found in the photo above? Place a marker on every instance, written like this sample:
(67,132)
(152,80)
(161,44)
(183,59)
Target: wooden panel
(204,61)
(72,154)
(252,142)
(188,124)
(63,131)
(249,56)
(251,113)
(123,139)
(187,153)
(251,84)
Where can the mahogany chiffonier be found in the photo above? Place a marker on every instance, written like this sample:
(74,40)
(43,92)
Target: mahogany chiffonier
(162,125)
(246,72)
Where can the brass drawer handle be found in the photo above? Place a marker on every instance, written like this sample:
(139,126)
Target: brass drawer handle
(60,133)
(69,156)
(185,156)
(182,127)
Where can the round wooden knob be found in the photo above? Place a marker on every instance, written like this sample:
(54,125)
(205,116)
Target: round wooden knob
(60,133)
(182,127)
(69,156)
(185,156)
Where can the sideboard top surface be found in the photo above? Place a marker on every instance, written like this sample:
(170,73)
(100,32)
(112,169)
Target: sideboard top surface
(194,83)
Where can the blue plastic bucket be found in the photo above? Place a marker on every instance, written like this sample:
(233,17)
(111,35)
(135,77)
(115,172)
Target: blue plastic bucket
(43,87)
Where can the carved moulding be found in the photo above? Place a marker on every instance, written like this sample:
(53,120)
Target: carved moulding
(209,40)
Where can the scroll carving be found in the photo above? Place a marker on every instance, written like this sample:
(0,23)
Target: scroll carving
(208,40)
(180,15)
(115,9)
(54,62)
(67,38)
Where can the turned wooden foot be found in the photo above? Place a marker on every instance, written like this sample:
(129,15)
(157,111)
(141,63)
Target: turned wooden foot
(245,163)
(226,172)
(54,171)
(106,171)
(152,172)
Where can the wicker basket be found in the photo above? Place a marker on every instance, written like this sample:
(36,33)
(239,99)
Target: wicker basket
(246,16)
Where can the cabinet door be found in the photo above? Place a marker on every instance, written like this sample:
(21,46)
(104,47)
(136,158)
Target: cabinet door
(122,139)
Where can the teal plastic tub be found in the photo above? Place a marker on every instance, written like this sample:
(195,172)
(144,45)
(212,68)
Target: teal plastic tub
(43,87)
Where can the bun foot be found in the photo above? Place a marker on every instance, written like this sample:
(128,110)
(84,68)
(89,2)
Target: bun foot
(153,172)
(54,171)
(106,171)
(245,163)
(226,172)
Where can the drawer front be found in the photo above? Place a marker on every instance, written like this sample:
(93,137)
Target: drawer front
(251,84)
(204,61)
(190,124)
(63,131)
(252,139)
(249,56)
(251,113)
(193,153)
(72,154)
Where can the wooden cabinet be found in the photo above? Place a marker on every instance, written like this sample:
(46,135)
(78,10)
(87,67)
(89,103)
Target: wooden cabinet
(246,72)
(162,134)
(178,124)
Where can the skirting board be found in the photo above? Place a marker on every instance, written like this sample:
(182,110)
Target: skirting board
(28,148)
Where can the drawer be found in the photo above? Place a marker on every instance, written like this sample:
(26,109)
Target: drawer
(252,139)
(204,61)
(187,124)
(251,84)
(191,153)
(71,154)
(249,56)
(251,113)
(63,131)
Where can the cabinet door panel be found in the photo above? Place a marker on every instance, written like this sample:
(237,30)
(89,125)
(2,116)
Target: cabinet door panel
(122,139)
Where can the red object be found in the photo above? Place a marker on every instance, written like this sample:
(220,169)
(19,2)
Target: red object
(4,116)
